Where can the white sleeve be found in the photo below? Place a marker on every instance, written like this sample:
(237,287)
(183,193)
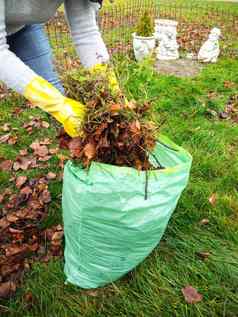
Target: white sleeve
(81,16)
(13,72)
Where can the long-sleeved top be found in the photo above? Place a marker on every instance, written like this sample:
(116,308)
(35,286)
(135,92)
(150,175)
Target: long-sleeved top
(15,14)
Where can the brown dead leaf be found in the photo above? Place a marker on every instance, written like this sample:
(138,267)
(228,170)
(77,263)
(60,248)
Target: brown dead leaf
(204,221)
(213,199)
(203,255)
(191,295)
(93,293)
(27,190)
(229,84)
(45,124)
(20,181)
(54,151)
(39,150)
(23,152)
(45,196)
(7,289)
(6,127)
(17,111)
(6,165)
(135,127)
(12,140)
(4,224)
(59,228)
(24,163)
(14,231)
(131,105)
(2,198)
(9,269)
(45,141)
(224,115)
(4,138)
(12,218)
(45,159)
(62,158)
(115,107)
(58,235)
(16,249)
(51,176)
(89,150)
(34,247)
(75,147)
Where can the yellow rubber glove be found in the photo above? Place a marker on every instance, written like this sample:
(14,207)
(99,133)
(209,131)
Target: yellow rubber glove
(67,111)
(110,75)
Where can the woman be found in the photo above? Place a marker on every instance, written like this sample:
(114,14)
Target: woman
(26,59)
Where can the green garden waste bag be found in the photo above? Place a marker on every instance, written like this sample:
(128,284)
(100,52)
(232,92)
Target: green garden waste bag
(115,216)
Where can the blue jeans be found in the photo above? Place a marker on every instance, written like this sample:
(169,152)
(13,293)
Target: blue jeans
(32,46)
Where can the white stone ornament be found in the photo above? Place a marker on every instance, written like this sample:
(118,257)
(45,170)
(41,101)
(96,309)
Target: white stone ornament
(166,34)
(210,50)
(143,46)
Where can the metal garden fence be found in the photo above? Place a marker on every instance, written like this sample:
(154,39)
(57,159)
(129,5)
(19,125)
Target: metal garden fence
(118,22)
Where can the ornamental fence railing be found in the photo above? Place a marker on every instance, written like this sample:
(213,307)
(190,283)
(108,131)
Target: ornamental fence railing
(117,23)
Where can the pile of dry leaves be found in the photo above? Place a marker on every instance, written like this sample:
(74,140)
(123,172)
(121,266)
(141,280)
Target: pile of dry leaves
(24,205)
(22,241)
(115,131)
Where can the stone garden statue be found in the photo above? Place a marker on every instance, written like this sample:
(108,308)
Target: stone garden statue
(210,50)
(168,46)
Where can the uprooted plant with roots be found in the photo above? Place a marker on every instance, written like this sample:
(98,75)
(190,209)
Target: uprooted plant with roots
(115,131)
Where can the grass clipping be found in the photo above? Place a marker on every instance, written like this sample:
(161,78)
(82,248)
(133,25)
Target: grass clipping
(115,131)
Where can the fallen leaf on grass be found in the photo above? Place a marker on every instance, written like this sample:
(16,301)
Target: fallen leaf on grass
(17,111)
(62,158)
(7,289)
(4,138)
(6,127)
(39,150)
(35,123)
(45,141)
(23,152)
(191,295)
(2,198)
(204,221)
(224,115)
(27,191)
(45,197)
(24,163)
(51,176)
(6,165)
(12,140)
(20,181)
(28,298)
(203,255)
(229,84)
(213,199)
(8,138)
(54,151)
(93,293)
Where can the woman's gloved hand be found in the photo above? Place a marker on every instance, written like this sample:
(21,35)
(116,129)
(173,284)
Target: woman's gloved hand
(108,72)
(68,112)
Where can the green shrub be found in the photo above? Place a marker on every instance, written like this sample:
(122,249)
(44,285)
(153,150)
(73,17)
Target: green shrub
(145,25)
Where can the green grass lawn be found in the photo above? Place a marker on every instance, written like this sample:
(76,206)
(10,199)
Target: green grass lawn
(153,289)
